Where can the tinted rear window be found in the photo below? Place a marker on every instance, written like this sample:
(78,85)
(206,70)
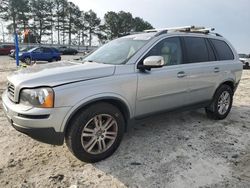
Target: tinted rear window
(223,50)
(196,49)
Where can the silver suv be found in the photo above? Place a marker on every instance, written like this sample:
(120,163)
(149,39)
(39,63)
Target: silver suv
(90,103)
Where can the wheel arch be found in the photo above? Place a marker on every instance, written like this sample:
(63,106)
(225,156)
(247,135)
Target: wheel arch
(26,56)
(230,82)
(118,102)
(211,108)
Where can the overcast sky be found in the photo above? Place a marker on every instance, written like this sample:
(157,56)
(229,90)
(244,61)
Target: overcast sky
(231,18)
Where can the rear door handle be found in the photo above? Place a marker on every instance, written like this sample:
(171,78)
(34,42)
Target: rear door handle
(216,69)
(181,74)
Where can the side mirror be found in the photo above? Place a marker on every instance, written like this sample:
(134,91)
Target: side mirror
(152,62)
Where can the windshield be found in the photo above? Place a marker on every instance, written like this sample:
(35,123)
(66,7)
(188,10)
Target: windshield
(242,55)
(32,49)
(25,49)
(116,52)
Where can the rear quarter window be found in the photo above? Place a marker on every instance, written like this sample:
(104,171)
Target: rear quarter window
(224,52)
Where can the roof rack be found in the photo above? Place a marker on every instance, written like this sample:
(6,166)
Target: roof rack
(191,29)
(169,29)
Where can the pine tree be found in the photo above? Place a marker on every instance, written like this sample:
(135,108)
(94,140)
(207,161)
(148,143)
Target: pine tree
(15,11)
(73,13)
(51,18)
(92,23)
(40,13)
(61,19)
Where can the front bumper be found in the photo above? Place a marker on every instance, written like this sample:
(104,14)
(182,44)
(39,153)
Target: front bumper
(40,124)
(45,135)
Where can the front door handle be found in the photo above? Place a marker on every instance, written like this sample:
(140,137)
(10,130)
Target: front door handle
(181,74)
(216,69)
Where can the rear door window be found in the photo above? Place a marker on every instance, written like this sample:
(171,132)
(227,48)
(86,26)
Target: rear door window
(38,50)
(46,50)
(196,49)
(211,54)
(223,50)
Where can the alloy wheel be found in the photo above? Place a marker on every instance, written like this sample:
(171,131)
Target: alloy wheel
(99,133)
(223,102)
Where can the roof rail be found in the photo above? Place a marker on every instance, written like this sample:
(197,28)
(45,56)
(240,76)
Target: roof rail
(191,29)
(216,34)
(169,29)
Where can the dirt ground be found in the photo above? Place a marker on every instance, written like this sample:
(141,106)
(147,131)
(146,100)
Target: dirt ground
(170,150)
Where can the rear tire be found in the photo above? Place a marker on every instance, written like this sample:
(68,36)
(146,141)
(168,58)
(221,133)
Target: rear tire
(221,104)
(53,59)
(95,132)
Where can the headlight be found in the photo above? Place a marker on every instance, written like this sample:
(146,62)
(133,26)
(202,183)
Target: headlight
(41,97)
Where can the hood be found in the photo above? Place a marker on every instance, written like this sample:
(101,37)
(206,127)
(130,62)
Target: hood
(63,72)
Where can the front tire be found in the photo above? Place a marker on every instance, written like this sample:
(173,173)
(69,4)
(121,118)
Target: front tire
(221,104)
(27,60)
(95,132)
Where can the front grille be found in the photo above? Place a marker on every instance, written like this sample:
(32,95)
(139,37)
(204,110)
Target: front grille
(11,91)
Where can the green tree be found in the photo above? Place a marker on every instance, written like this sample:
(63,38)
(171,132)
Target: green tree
(81,28)
(112,25)
(122,23)
(140,25)
(51,17)
(73,13)
(44,17)
(57,13)
(41,22)
(101,35)
(24,15)
(125,23)
(61,19)
(92,24)
(14,11)
(63,15)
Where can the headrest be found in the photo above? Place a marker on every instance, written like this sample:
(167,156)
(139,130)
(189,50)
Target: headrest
(165,50)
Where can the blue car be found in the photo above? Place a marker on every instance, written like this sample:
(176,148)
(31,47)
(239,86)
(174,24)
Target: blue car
(40,54)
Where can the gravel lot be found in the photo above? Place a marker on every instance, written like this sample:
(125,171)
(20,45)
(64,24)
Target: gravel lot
(170,150)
